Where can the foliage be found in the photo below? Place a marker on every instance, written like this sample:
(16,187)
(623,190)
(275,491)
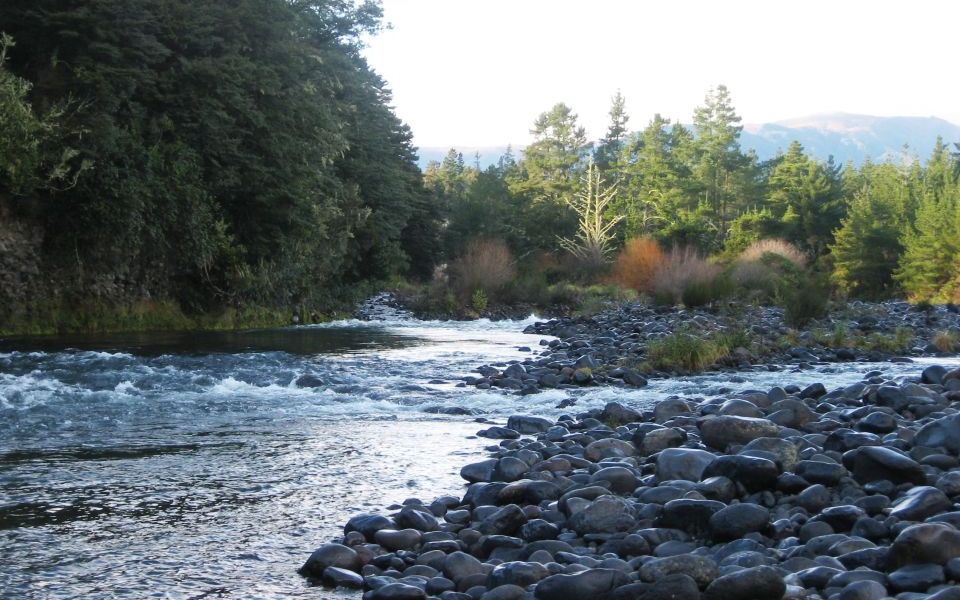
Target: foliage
(683,350)
(805,298)
(946,341)
(486,265)
(683,271)
(244,152)
(637,264)
(479,300)
(759,250)
(594,238)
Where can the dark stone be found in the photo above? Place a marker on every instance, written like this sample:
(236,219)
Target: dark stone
(368,525)
(872,463)
(505,521)
(916,578)
(330,555)
(757,583)
(527,424)
(702,569)
(692,516)
(816,471)
(935,543)
(719,432)
(308,381)
(606,514)
(682,463)
(479,471)
(397,591)
(877,422)
(596,584)
(919,503)
(414,517)
(737,520)
(337,577)
(755,474)
(941,433)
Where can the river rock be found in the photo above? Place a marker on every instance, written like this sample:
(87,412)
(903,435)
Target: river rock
(737,520)
(784,451)
(919,503)
(615,414)
(595,584)
(606,514)
(368,525)
(925,543)
(669,408)
(682,463)
(720,432)
(459,565)
(517,573)
(505,521)
(755,474)
(479,471)
(393,540)
(526,424)
(330,555)
(941,433)
(756,583)
(871,463)
(916,577)
(337,577)
(415,517)
(397,591)
(609,448)
(621,479)
(678,586)
(703,570)
(660,439)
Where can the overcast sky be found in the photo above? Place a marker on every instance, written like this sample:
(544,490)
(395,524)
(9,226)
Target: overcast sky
(478,72)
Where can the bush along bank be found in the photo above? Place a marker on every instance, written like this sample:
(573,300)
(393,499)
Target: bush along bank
(634,342)
(854,496)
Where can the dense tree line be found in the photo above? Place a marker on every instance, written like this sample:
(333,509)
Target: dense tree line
(877,229)
(217,153)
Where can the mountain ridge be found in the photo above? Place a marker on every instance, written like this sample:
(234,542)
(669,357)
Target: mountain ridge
(847,137)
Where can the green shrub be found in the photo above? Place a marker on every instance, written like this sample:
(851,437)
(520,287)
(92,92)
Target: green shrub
(804,299)
(684,351)
(479,300)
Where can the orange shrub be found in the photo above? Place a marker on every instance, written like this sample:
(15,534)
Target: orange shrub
(637,264)
(486,265)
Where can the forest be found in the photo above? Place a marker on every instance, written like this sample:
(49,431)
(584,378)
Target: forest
(166,163)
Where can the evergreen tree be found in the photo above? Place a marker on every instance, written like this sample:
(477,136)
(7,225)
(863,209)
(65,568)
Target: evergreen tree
(610,147)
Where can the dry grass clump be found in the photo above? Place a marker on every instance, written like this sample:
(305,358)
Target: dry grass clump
(758,250)
(681,270)
(946,341)
(486,265)
(637,264)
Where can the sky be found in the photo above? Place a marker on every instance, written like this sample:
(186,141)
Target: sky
(475,73)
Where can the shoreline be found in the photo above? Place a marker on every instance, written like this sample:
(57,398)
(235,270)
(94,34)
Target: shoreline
(784,493)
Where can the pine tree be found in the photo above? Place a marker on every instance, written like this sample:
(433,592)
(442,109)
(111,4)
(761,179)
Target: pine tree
(611,146)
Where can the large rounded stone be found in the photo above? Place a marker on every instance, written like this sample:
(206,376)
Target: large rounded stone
(517,573)
(596,584)
(757,583)
(682,463)
(330,555)
(416,517)
(925,543)
(669,408)
(784,452)
(337,577)
(688,514)
(526,424)
(397,591)
(504,521)
(755,474)
(659,440)
(609,448)
(720,432)
(606,514)
(368,525)
(393,540)
(479,471)
(737,520)
(916,578)
(459,565)
(615,414)
(919,503)
(942,433)
(621,479)
(702,569)
(873,463)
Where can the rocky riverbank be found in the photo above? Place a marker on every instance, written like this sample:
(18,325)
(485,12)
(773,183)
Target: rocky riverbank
(845,494)
(618,347)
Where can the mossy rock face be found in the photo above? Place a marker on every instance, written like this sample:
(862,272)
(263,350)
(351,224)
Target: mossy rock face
(583,376)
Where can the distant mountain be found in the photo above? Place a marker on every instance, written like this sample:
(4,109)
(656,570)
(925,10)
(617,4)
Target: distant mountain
(841,135)
(850,137)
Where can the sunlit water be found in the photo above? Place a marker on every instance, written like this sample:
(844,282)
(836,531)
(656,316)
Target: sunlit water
(189,466)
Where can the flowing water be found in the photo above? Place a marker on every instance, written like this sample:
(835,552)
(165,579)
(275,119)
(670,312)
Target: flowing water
(194,466)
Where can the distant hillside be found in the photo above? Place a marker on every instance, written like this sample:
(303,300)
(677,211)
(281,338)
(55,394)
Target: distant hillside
(850,137)
(841,135)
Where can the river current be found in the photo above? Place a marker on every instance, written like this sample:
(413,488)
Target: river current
(194,466)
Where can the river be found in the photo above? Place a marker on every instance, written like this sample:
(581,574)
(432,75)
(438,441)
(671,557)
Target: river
(194,466)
